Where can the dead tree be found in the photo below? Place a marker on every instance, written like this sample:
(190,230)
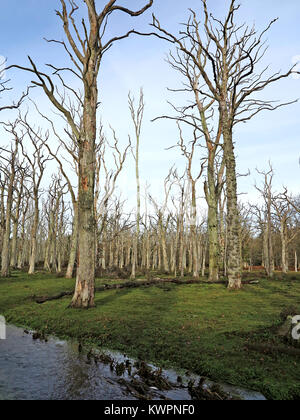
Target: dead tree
(197,114)
(19,188)
(267,194)
(11,169)
(69,145)
(52,210)
(179,252)
(285,213)
(24,218)
(37,164)
(163,219)
(106,180)
(3,182)
(189,153)
(86,53)
(233,53)
(137,119)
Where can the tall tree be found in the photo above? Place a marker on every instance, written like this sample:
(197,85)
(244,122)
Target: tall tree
(198,113)
(85,47)
(189,154)
(10,169)
(37,164)
(285,213)
(266,192)
(19,187)
(137,119)
(233,53)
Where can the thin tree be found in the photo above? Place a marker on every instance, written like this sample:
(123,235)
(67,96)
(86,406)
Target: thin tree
(85,48)
(137,119)
(10,169)
(285,213)
(266,192)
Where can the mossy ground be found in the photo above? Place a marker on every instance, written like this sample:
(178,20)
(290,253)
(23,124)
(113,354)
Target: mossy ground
(201,328)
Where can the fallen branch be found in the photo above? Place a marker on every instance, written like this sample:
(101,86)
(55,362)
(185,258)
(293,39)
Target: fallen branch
(44,299)
(135,284)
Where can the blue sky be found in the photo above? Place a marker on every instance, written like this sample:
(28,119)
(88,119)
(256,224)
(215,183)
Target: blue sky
(139,62)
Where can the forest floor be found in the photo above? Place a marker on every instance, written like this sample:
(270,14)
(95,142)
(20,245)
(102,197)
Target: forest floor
(202,328)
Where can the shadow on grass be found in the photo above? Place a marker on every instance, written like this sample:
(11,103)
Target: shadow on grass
(101,301)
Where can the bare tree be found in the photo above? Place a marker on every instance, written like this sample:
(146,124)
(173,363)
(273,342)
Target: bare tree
(19,188)
(137,119)
(11,169)
(189,153)
(86,53)
(198,115)
(266,192)
(163,219)
(106,179)
(285,213)
(37,164)
(233,53)
(52,210)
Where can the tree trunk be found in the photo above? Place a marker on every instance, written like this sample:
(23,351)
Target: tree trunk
(164,248)
(13,258)
(233,223)
(34,229)
(284,265)
(133,258)
(74,245)
(204,258)
(85,280)
(22,239)
(222,235)
(6,239)
(270,269)
(213,240)
(194,256)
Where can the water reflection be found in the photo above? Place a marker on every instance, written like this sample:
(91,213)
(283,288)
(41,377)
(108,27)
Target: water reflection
(31,369)
(55,370)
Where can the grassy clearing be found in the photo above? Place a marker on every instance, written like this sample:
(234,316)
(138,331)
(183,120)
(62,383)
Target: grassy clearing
(202,328)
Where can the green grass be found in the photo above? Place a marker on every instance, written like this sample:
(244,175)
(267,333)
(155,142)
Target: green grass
(201,328)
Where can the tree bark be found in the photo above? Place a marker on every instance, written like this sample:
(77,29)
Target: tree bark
(85,280)
(284,264)
(34,229)
(233,223)
(5,256)
(74,245)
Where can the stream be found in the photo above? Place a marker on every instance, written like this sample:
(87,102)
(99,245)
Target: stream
(56,370)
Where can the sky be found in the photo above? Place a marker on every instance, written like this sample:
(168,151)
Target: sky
(140,62)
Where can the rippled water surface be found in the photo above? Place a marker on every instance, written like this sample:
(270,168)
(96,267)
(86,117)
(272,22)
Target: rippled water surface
(32,369)
(55,370)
